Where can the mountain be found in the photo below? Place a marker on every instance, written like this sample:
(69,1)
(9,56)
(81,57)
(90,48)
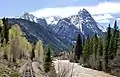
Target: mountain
(86,22)
(60,32)
(52,20)
(76,20)
(34,32)
(68,28)
(32,18)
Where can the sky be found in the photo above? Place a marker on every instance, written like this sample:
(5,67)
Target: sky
(16,7)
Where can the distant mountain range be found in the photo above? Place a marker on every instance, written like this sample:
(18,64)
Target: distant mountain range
(60,32)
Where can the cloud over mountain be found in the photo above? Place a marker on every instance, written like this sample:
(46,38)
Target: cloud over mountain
(101,8)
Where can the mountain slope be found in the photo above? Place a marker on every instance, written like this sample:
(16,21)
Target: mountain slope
(32,18)
(60,32)
(66,30)
(35,32)
(87,24)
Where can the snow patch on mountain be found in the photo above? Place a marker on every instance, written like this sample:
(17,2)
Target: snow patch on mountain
(52,20)
(27,16)
(31,17)
(83,18)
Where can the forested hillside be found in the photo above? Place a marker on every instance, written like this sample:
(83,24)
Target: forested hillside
(21,57)
(99,53)
(15,50)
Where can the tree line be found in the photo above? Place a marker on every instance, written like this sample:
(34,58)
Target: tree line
(100,53)
(14,46)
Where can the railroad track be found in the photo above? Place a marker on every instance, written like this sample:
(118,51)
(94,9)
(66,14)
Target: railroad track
(28,72)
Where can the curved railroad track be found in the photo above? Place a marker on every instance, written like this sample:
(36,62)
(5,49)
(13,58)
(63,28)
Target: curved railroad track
(28,72)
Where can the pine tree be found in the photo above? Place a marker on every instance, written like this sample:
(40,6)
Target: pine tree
(32,55)
(48,61)
(6,29)
(95,46)
(100,54)
(107,43)
(94,51)
(91,45)
(116,42)
(86,51)
(113,42)
(71,55)
(78,48)
(116,37)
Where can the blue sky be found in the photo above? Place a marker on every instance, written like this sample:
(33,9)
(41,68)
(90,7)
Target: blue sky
(16,7)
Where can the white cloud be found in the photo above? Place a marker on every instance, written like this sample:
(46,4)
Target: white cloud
(118,19)
(62,12)
(103,21)
(101,8)
(103,16)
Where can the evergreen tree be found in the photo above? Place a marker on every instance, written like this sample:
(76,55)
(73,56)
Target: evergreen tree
(86,51)
(91,45)
(113,42)
(95,46)
(116,42)
(48,61)
(78,48)
(100,54)
(71,56)
(115,28)
(32,56)
(6,29)
(107,43)
(116,37)
(94,51)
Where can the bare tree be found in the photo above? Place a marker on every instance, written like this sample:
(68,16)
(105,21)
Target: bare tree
(64,69)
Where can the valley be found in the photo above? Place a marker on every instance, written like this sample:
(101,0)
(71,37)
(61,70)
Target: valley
(74,46)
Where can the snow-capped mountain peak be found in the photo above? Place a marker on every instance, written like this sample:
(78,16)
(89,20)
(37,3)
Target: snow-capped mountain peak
(52,20)
(31,17)
(86,23)
(82,20)
(28,16)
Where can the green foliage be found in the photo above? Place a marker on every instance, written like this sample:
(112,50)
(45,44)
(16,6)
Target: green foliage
(15,34)
(14,74)
(86,50)
(103,53)
(49,46)
(78,48)
(71,54)
(32,53)
(1,22)
(39,52)
(48,61)
(106,51)
(6,28)
(95,46)
(99,54)
(39,49)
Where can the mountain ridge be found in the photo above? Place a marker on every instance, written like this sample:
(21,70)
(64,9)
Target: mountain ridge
(62,34)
